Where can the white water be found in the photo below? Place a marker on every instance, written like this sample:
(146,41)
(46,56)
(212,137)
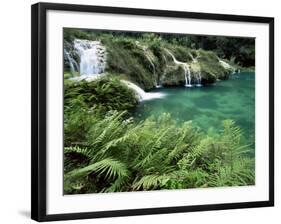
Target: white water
(153,67)
(185,66)
(226,65)
(188,73)
(92,57)
(150,59)
(158,86)
(141,93)
(88,78)
(199,79)
(73,64)
(193,59)
(198,75)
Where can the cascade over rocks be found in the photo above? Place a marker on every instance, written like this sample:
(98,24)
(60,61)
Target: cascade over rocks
(91,57)
(146,65)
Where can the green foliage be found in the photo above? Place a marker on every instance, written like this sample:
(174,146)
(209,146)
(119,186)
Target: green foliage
(241,50)
(121,155)
(106,93)
(127,55)
(107,151)
(83,99)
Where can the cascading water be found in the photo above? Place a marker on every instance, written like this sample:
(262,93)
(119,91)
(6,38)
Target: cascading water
(150,59)
(198,74)
(187,75)
(199,79)
(72,63)
(141,93)
(193,59)
(153,67)
(92,58)
(185,66)
(226,65)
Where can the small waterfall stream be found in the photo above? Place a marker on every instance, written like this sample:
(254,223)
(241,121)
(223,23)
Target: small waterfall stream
(185,66)
(225,64)
(153,67)
(73,64)
(187,75)
(141,93)
(199,79)
(198,74)
(150,59)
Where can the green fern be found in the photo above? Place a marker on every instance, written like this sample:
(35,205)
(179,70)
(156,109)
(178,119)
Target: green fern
(76,149)
(150,182)
(109,167)
(117,154)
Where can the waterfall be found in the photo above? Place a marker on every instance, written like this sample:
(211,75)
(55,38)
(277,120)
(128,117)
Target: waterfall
(153,67)
(192,58)
(73,64)
(199,79)
(141,93)
(92,57)
(185,66)
(226,65)
(150,59)
(187,75)
(198,74)
(158,86)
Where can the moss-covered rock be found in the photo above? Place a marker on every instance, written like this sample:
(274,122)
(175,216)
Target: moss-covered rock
(147,63)
(173,76)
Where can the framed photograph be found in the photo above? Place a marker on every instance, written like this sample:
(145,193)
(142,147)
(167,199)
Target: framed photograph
(140,111)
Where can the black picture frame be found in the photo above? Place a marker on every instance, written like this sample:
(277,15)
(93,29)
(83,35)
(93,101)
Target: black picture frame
(39,122)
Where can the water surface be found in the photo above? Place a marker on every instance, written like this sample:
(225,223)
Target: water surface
(208,106)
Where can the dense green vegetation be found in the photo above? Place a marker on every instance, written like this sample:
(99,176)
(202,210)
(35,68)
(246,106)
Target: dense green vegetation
(142,57)
(236,49)
(83,100)
(107,150)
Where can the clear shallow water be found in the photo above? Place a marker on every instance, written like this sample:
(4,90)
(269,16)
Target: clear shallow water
(208,106)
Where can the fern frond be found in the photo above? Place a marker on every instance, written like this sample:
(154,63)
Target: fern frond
(116,185)
(76,149)
(111,168)
(151,182)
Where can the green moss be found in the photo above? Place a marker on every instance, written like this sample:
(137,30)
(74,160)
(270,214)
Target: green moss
(132,56)
(174,76)
(126,58)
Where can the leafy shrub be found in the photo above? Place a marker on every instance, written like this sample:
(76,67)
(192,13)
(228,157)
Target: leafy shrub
(83,99)
(120,155)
